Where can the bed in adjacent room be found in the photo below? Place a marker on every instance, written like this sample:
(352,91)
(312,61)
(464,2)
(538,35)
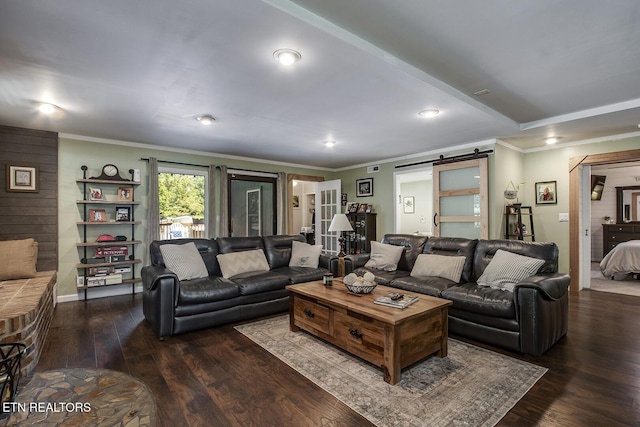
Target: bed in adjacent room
(622,260)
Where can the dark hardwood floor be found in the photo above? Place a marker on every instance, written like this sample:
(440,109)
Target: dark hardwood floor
(218,377)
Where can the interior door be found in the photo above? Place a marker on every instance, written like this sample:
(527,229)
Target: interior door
(461,205)
(327,205)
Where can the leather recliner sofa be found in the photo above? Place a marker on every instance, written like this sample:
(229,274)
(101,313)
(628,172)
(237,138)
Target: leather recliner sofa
(528,320)
(173,307)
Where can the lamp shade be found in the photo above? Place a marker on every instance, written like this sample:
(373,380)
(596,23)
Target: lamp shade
(340,222)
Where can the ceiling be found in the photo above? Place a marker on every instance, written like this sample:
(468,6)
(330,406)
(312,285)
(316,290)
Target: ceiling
(141,71)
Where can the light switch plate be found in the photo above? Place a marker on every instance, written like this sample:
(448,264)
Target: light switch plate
(563,217)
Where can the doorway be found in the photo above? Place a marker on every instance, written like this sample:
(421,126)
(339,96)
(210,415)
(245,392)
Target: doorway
(413,192)
(579,262)
(300,209)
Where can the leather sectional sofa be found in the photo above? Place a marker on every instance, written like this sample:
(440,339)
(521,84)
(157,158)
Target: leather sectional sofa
(172,306)
(528,320)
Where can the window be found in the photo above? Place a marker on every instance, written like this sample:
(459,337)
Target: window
(252,205)
(182,202)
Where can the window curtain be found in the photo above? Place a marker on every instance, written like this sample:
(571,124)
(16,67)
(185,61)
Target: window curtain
(211,203)
(153,210)
(224,203)
(282,203)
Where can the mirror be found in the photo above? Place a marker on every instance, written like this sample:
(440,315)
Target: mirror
(628,204)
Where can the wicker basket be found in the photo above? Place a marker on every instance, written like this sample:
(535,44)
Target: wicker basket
(361,288)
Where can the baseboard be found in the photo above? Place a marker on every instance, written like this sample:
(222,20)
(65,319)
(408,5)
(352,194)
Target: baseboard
(100,292)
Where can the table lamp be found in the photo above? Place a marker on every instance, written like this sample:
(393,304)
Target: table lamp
(340,223)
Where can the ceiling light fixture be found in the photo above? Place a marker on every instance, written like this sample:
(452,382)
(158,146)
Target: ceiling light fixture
(46,108)
(552,140)
(287,56)
(429,113)
(206,119)
(329,143)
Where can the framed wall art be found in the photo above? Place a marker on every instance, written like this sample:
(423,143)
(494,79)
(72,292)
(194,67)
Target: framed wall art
(546,193)
(364,187)
(408,204)
(22,179)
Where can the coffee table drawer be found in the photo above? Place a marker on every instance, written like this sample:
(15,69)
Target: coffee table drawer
(308,314)
(360,337)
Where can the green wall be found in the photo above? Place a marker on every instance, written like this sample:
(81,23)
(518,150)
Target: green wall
(505,164)
(74,153)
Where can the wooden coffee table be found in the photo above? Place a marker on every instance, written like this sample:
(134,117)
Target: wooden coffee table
(385,336)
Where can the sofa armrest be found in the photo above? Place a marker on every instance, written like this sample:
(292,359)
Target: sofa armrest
(358,260)
(325,261)
(151,275)
(551,286)
(542,307)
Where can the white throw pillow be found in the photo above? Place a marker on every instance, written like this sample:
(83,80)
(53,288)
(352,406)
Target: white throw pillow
(447,267)
(305,255)
(234,263)
(384,256)
(184,260)
(506,269)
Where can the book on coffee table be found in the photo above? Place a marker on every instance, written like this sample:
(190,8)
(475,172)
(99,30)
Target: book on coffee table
(401,303)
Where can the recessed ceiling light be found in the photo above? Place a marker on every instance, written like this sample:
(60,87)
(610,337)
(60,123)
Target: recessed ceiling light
(552,140)
(429,113)
(287,56)
(206,119)
(329,143)
(46,108)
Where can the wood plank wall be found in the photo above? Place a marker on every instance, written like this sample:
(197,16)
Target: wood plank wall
(24,215)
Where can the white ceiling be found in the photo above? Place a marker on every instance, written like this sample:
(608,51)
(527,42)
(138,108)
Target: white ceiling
(142,70)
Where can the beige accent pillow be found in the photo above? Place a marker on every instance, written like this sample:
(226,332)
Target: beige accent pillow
(234,263)
(184,260)
(304,255)
(447,267)
(384,256)
(19,258)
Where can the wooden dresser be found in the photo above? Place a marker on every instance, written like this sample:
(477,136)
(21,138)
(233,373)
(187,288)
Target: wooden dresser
(618,233)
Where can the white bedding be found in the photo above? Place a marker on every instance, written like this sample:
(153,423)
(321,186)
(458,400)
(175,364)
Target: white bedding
(623,259)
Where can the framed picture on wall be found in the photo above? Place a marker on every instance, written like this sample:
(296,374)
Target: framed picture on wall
(364,187)
(22,179)
(408,205)
(546,193)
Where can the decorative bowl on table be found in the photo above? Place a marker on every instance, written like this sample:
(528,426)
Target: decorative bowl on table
(360,284)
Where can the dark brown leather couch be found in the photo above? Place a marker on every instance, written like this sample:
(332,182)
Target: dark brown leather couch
(528,320)
(173,307)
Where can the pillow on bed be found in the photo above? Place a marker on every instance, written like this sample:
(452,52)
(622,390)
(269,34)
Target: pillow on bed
(506,269)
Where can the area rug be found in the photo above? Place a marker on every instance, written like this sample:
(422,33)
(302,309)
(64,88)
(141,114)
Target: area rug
(470,387)
(602,284)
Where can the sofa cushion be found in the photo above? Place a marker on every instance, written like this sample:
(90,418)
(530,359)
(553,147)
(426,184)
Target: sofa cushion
(447,267)
(454,246)
(205,290)
(305,255)
(184,260)
(384,257)
(254,282)
(486,249)
(208,249)
(301,274)
(19,258)
(428,285)
(235,263)
(382,277)
(506,269)
(278,248)
(482,300)
(413,246)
